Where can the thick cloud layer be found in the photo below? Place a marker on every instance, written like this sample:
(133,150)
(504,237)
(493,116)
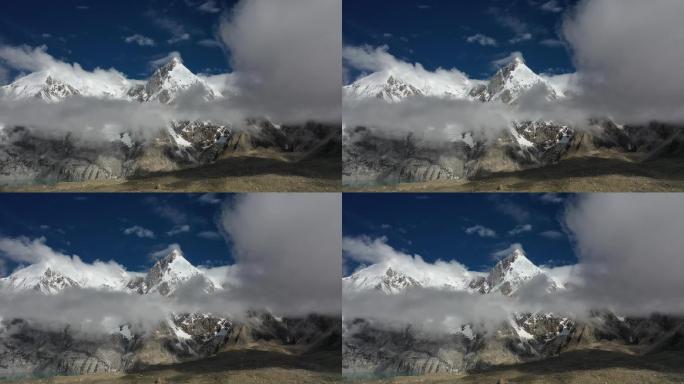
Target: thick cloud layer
(630,246)
(628,55)
(430,118)
(378,252)
(287,57)
(287,247)
(379,59)
(287,250)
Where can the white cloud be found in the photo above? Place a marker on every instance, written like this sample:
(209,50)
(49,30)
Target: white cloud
(140,40)
(179,38)
(481,231)
(158,254)
(552,6)
(627,58)
(500,254)
(631,248)
(210,235)
(287,65)
(211,43)
(553,198)
(168,211)
(174,28)
(522,228)
(4,75)
(178,229)
(552,43)
(367,58)
(209,7)
(24,250)
(520,38)
(498,63)
(517,212)
(482,40)
(287,247)
(156,63)
(377,251)
(139,231)
(551,234)
(26,58)
(209,198)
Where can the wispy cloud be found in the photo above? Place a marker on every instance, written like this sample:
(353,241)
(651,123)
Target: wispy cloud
(500,254)
(139,231)
(481,231)
(481,39)
(522,228)
(551,234)
(178,229)
(140,40)
(210,235)
(209,7)
(551,6)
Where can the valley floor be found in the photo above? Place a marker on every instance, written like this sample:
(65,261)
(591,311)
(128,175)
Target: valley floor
(576,174)
(236,366)
(588,366)
(232,174)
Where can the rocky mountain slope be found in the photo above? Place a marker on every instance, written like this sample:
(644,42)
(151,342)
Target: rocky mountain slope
(27,158)
(370,157)
(30,348)
(373,349)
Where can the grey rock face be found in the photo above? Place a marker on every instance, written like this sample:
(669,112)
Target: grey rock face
(368,158)
(28,349)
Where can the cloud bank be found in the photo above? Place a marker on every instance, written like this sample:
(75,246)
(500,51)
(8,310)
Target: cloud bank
(286,56)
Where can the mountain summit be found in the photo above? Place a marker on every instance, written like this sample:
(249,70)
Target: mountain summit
(168,81)
(510,82)
(508,274)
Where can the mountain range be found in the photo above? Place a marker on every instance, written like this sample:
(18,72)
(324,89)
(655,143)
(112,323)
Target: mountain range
(372,348)
(28,347)
(27,157)
(53,85)
(373,156)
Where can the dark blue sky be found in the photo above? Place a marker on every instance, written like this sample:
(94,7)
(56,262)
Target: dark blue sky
(434,32)
(434,225)
(92,33)
(92,225)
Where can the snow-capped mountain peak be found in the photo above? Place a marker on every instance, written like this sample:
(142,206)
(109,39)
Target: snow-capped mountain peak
(395,276)
(508,274)
(395,85)
(167,274)
(52,276)
(168,80)
(53,85)
(511,81)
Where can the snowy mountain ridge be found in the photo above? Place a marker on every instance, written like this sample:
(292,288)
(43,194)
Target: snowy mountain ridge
(53,85)
(506,85)
(509,274)
(51,277)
